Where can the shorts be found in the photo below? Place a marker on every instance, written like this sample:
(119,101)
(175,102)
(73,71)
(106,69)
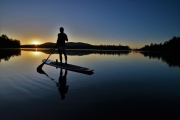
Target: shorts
(61,48)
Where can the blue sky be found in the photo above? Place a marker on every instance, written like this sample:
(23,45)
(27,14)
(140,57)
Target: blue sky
(127,22)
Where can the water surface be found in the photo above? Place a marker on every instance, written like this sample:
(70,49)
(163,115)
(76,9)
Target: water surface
(136,85)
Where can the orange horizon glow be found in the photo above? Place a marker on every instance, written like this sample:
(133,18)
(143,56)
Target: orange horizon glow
(41,40)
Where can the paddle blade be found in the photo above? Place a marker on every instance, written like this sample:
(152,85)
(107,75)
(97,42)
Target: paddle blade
(40,71)
(40,66)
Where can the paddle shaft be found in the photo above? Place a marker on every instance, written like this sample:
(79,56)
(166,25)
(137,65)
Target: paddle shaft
(40,66)
(50,54)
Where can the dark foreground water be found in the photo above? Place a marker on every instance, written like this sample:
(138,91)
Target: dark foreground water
(125,85)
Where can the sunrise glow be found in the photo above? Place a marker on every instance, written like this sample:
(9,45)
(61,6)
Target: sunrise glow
(132,27)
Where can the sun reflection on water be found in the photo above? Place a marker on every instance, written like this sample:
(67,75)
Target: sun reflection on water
(36,52)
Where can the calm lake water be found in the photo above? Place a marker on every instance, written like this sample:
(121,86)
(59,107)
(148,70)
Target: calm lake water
(136,85)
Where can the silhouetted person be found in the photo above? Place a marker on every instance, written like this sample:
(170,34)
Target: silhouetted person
(62,37)
(62,87)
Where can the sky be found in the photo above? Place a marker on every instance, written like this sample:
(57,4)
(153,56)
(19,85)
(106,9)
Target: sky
(127,22)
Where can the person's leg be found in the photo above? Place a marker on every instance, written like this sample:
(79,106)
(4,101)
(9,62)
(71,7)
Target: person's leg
(60,56)
(65,56)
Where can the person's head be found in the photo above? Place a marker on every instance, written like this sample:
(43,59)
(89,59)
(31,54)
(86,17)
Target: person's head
(61,29)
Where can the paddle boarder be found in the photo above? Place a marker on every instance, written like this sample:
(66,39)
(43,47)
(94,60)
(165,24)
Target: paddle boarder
(62,37)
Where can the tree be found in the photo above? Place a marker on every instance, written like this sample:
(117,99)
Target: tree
(5,42)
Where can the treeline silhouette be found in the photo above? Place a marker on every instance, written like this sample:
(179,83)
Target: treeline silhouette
(6,54)
(172,59)
(173,45)
(5,42)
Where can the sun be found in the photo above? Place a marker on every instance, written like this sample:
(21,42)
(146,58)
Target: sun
(35,42)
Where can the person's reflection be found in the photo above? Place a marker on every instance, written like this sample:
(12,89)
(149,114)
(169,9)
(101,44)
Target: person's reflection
(62,87)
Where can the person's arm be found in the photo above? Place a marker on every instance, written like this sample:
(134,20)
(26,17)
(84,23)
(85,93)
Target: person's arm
(57,42)
(66,38)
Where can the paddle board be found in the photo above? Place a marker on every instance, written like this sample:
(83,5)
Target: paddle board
(68,66)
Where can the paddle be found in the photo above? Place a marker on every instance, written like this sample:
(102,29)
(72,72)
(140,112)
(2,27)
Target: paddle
(40,66)
(40,71)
